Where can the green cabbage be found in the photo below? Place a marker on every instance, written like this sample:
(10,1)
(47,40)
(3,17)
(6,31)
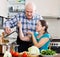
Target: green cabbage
(34,50)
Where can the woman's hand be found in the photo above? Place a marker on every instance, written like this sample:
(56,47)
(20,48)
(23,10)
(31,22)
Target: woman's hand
(19,24)
(29,32)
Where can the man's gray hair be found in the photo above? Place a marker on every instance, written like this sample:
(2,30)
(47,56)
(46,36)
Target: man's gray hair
(31,4)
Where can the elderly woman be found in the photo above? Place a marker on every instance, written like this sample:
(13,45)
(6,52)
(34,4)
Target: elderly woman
(40,38)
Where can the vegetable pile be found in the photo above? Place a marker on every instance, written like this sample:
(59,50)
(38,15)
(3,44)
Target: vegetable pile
(48,52)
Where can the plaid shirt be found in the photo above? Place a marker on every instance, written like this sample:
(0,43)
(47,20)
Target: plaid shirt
(26,24)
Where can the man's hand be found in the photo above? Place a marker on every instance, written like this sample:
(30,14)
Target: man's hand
(19,24)
(7,30)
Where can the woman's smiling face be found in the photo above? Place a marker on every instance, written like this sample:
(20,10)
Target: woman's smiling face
(39,27)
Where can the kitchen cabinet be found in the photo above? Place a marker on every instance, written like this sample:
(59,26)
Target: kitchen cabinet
(15,6)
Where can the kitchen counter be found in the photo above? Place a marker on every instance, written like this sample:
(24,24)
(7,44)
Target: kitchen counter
(1,55)
(57,55)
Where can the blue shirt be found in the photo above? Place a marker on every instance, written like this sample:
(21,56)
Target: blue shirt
(46,45)
(26,24)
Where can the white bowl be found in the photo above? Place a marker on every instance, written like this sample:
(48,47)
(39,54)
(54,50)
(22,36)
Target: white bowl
(49,55)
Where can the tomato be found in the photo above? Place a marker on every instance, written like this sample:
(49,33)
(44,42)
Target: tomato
(16,54)
(12,52)
(24,54)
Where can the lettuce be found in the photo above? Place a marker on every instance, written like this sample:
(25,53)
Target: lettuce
(48,52)
(34,50)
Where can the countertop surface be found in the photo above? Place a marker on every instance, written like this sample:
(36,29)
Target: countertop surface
(58,55)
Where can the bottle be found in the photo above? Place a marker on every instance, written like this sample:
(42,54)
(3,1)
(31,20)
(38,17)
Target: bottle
(7,53)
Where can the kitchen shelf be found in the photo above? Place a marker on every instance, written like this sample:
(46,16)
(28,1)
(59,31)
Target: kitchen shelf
(15,6)
(15,11)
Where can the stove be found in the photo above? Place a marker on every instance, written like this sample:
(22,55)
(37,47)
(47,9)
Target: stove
(55,45)
(55,42)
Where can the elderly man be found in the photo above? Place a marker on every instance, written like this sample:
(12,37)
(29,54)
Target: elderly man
(28,19)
